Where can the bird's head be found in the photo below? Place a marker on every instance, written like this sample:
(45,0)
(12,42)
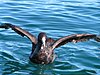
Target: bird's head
(42,38)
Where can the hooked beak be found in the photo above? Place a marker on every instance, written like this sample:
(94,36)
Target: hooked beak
(44,41)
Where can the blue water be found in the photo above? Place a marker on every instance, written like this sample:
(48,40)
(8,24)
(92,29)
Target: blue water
(57,18)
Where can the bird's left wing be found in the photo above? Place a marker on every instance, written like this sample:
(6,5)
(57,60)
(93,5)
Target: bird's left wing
(75,38)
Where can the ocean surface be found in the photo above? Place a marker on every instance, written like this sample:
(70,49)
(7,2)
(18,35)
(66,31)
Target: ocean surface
(57,18)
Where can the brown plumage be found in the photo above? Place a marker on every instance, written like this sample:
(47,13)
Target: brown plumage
(43,47)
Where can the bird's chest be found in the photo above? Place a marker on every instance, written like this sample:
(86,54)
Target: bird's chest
(44,55)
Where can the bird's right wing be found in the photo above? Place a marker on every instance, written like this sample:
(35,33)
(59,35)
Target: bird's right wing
(20,31)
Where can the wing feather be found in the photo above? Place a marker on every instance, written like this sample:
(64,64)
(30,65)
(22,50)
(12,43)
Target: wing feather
(74,38)
(20,31)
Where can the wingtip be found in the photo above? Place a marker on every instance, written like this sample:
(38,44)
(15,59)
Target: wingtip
(5,25)
(97,38)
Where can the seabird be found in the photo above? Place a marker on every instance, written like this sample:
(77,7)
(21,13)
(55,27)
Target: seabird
(43,46)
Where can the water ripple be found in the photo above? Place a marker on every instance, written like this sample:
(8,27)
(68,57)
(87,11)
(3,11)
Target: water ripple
(57,18)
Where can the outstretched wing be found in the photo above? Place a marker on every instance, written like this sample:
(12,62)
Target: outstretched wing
(74,38)
(20,31)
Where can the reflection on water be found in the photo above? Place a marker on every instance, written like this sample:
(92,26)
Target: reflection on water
(57,18)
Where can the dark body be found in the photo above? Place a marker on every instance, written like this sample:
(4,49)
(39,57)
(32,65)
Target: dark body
(43,46)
